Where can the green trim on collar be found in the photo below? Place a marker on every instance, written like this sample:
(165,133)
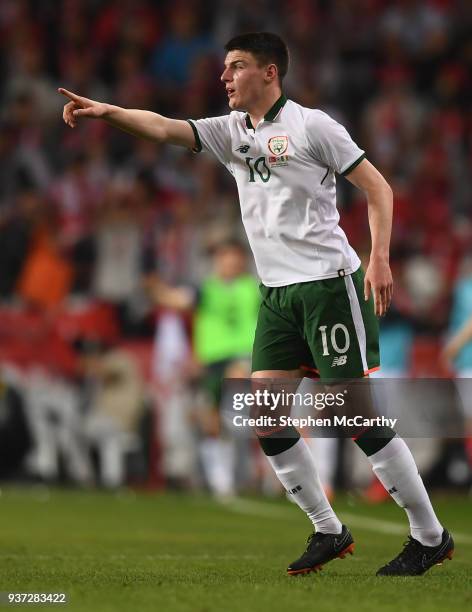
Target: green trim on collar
(273,112)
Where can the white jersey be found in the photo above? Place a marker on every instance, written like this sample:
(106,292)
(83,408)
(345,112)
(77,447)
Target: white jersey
(285,172)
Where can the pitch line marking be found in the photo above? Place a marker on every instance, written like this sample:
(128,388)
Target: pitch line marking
(163,557)
(263,509)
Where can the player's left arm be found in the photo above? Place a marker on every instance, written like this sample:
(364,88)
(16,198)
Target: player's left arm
(378,276)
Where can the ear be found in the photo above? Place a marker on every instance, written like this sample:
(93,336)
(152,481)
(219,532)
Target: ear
(271,73)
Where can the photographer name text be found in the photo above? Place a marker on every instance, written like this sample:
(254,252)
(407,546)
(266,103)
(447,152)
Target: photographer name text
(337,421)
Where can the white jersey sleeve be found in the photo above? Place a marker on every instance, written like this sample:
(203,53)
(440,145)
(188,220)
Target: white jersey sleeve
(213,134)
(330,143)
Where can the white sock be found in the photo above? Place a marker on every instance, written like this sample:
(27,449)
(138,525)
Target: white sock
(218,464)
(297,472)
(396,469)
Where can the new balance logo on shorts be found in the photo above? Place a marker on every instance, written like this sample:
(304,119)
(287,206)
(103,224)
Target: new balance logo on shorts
(294,490)
(339,361)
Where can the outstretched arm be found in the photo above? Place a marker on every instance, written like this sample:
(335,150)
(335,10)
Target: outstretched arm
(145,124)
(378,277)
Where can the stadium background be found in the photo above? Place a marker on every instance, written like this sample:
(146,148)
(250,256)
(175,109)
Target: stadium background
(88,216)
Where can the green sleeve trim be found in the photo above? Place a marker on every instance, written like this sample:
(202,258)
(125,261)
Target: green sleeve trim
(354,165)
(198,143)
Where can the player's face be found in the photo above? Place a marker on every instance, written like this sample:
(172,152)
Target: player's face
(244,80)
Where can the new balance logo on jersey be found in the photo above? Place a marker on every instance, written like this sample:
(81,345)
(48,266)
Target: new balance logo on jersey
(243,148)
(393,490)
(339,361)
(294,490)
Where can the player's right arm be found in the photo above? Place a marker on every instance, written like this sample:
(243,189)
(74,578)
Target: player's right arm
(145,124)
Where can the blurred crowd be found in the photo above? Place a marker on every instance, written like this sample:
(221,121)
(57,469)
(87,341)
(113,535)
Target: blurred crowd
(97,226)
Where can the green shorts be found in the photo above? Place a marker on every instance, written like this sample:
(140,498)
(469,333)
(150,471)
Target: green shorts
(322,326)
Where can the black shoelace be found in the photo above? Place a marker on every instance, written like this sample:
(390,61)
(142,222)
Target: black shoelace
(409,554)
(317,536)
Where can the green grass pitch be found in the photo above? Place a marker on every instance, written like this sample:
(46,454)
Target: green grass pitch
(143,552)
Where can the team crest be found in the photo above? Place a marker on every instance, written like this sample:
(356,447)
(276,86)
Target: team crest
(278,144)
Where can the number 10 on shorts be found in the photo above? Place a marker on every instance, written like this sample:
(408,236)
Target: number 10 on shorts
(339,337)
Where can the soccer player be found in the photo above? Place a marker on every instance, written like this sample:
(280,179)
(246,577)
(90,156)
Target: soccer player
(317,307)
(226,305)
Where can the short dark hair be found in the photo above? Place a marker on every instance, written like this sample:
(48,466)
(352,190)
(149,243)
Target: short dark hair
(227,243)
(267,48)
